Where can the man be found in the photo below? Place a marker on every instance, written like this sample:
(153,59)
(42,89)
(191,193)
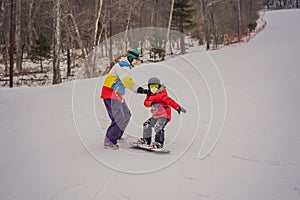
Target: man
(113,92)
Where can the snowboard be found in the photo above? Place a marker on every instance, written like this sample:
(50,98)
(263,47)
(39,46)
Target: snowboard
(147,148)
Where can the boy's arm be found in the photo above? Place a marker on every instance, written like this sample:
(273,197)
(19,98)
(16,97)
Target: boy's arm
(169,101)
(148,102)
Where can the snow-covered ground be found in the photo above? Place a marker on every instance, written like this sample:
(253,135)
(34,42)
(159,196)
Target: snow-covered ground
(51,137)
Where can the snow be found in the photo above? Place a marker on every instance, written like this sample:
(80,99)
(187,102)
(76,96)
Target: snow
(51,137)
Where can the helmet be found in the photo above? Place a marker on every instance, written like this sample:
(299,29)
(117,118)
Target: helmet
(154,80)
(133,54)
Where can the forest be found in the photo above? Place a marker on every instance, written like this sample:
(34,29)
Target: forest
(56,33)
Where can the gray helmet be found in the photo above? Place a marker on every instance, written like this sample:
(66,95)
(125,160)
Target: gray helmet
(154,80)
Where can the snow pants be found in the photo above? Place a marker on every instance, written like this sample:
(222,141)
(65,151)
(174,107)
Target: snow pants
(120,115)
(159,125)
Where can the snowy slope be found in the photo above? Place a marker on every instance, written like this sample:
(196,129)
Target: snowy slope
(51,137)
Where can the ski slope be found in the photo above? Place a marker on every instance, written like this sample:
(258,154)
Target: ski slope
(51,137)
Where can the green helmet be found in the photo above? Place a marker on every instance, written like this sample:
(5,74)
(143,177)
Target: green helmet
(133,54)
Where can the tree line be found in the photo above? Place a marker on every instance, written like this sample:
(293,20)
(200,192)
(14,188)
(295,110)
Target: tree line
(281,4)
(33,28)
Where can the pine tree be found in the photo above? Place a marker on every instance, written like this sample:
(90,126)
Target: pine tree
(41,50)
(183,19)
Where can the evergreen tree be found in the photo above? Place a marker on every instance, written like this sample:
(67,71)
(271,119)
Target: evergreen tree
(41,50)
(183,19)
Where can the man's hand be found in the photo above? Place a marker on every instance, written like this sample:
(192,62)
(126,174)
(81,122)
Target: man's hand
(141,90)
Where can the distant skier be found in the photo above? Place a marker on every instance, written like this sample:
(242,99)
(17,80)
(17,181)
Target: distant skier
(160,103)
(113,92)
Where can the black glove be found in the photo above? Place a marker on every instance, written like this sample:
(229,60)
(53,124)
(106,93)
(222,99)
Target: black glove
(155,106)
(147,92)
(141,90)
(181,109)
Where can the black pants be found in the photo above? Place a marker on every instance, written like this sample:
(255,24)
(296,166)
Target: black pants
(159,124)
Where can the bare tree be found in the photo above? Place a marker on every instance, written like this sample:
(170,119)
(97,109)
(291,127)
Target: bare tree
(169,27)
(127,26)
(4,27)
(154,13)
(56,41)
(12,45)
(82,25)
(30,24)
(205,23)
(100,3)
(77,31)
(18,40)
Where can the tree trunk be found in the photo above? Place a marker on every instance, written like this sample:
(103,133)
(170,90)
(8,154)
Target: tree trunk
(239,18)
(18,37)
(6,53)
(127,27)
(169,28)
(36,11)
(29,25)
(213,27)
(181,30)
(110,32)
(101,31)
(140,25)
(97,22)
(79,40)
(68,62)
(69,47)
(205,25)
(12,44)
(154,14)
(56,42)
(106,42)
(5,34)
(182,45)
(41,64)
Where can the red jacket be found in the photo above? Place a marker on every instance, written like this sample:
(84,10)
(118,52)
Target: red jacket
(165,102)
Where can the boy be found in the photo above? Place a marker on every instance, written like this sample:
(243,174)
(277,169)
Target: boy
(157,98)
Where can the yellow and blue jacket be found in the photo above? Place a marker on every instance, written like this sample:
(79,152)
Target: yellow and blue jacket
(117,81)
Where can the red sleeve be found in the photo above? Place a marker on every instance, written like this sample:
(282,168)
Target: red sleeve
(169,101)
(153,98)
(161,98)
(148,102)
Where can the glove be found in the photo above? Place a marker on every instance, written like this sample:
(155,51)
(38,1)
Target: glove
(147,92)
(141,90)
(181,109)
(155,106)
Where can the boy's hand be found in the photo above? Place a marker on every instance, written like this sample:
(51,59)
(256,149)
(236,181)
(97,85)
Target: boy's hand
(155,106)
(181,109)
